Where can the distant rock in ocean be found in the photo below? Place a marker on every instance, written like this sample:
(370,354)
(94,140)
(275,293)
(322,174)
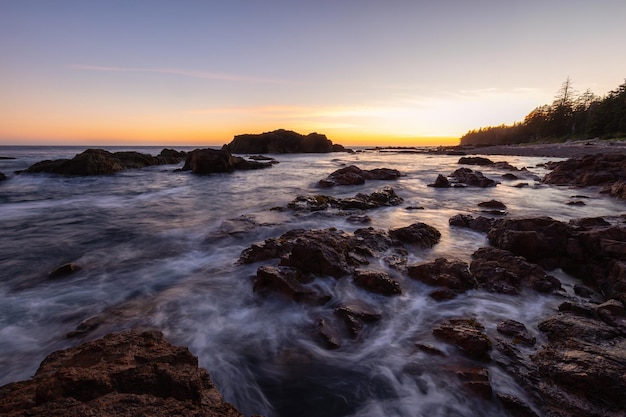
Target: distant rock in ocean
(283,141)
(211,161)
(102,162)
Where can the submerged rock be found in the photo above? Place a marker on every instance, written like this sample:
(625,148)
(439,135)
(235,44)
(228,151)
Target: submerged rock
(124,374)
(380,198)
(2,177)
(353,175)
(475,160)
(64,270)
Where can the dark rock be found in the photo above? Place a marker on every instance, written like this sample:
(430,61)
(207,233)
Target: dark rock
(493,204)
(472,178)
(2,177)
(576,203)
(475,380)
(500,271)
(517,331)
(521,185)
(353,175)
(124,374)
(286,281)
(280,141)
(171,156)
(515,406)
(505,165)
(454,276)
(329,333)
(466,334)
(377,282)
(359,218)
(210,161)
(64,270)
(475,160)
(480,223)
(380,198)
(419,234)
(441,182)
(509,176)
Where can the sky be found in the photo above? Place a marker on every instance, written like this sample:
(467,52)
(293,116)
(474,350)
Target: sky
(363,72)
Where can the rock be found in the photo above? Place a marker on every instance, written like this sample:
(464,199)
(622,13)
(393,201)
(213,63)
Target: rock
(576,203)
(353,175)
(100,162)
(509,176)
(500,271)
(171,156)
(64,270)
(472,178)
(2,177)
(515,406)
(466,334)
(480,223)
(608,170)
(517,331)
(355,315)
(280,141)
(475,380)
(475,160)
(419,234)
(286,281)
(505,165)
(452,275)
(441,182)
(493,204)
(359,218)
(125,374)
(380,198)
(210,161)
(329,333)
(377,282)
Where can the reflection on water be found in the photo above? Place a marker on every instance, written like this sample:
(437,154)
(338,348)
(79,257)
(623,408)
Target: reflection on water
(155,252)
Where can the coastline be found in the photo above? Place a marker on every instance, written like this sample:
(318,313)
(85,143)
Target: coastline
(572,149)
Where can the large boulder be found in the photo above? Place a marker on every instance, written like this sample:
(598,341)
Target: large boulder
(353,175)
(212,161)
(597,169)
(281,141)
(452,276)
(101,162)
(125,374)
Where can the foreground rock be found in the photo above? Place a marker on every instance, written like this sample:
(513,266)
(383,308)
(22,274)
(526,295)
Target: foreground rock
(125,374)
(212,161)
(353,175)
(282,141)
(102,162)
(463,177)
(607,170)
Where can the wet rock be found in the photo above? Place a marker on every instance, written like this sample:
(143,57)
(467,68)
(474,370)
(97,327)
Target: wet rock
(97,162)
(475,160)
(475,380)
(472,178)
(441,182)
(585,362)
(509,176)
(515,406)
(356,314)
(211,161)
(493,204)
(171,156)
(576,203)
(467,335)
(380,198)
(517,331)
(419,234)
(616,189)
(359,218)
(353,175)
(452,275)
(377,282)
(64,270)
(329,332)
(280,141)
(479,224)
(2,177)
(597,169)
(500,271)
(124,374)
(286,281)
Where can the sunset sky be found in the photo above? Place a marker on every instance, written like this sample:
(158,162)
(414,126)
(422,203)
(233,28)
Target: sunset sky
(395,72)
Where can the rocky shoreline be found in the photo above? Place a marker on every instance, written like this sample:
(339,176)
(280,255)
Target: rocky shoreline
(573,364)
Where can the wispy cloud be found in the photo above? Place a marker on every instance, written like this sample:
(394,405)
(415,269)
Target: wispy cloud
(186,73)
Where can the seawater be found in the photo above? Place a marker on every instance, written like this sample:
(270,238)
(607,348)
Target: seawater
(159,249)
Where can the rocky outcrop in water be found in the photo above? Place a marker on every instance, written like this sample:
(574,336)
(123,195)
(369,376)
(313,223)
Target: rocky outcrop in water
(381,198)
(125,374)
(282,141)
(213,161)
(463,177)
(607,170)
(2,177)
(353,175)
(102,162)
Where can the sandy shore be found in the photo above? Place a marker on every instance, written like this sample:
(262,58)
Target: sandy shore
(557,150)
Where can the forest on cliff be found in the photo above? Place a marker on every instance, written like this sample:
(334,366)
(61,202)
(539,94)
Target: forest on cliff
(570,116)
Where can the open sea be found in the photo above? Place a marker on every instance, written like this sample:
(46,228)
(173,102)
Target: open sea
(159,249)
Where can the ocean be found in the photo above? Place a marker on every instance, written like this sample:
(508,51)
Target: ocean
(159,249)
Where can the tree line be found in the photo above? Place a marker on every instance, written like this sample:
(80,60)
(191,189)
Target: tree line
(570,116)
